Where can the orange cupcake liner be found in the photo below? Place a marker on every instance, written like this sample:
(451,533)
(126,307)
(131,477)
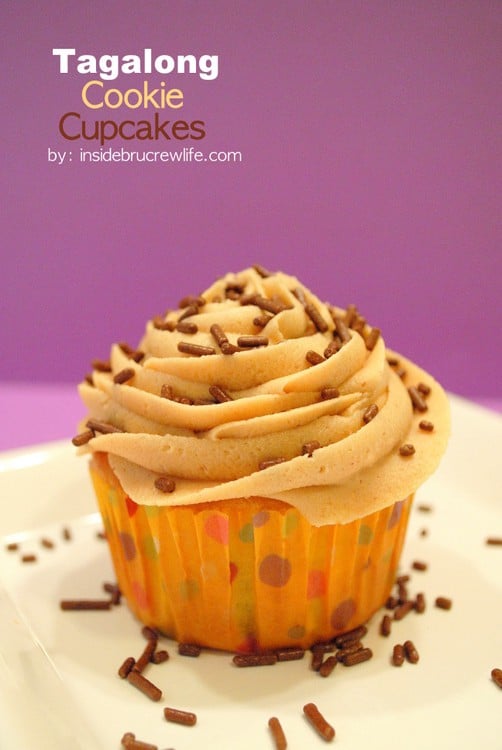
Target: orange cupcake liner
(249,574)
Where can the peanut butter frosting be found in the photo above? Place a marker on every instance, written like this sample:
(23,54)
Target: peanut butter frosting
(257,388)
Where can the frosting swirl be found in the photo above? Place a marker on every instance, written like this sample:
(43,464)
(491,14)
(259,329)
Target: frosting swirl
(258,388)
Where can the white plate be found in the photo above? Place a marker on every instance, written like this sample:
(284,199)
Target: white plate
(59,669)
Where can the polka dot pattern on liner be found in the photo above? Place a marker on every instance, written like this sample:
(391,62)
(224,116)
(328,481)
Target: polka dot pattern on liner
(178,567)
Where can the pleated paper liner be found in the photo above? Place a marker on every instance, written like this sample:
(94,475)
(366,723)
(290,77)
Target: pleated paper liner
(248,574)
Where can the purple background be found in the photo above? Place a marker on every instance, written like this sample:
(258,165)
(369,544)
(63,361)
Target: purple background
(370,137)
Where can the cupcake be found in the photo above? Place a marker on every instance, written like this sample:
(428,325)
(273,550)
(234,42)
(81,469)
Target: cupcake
(255,461)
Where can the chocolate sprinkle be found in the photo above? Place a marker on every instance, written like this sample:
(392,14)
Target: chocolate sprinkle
(351,314)
(407,449)
(163,325)
(146,687)
(184,400)
(277,733)
(112,589)
(403,609)
(342,640)
(292,653)
(357,657)
(328,666)
(264,303)
(262,320)
(265,464)
(419,565)
(311,310)
(186,327)
(82,438)
(411,652)
(229,348)
(159,657)
(219,335)
(219,394)
(149,633)
(309,448)
(255,660)
(417,399)
(358,324)
(443,602)
(191,301)
(314,358)
(261,271)
(165,484)
(398,655)
(424,389)
(318,721)
(188,312)
(176,715)
(342,330)
(495,541)
(350,648)
(101,365)
(124,375)
(316,318)
(424,508)
(130,742)
(66,533)
(252,341)
(84,604)
(189,649)
(385,625)
(370,413)
(300,295)
(133,354)
(333,347)
(166,391)
(420,603)
(195,349)
(426,426)
(126,667)
(104,427)
(327,393)
(234,291)
(496,675)
(372,338)
(146,655)
(317,658)
(233,294)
